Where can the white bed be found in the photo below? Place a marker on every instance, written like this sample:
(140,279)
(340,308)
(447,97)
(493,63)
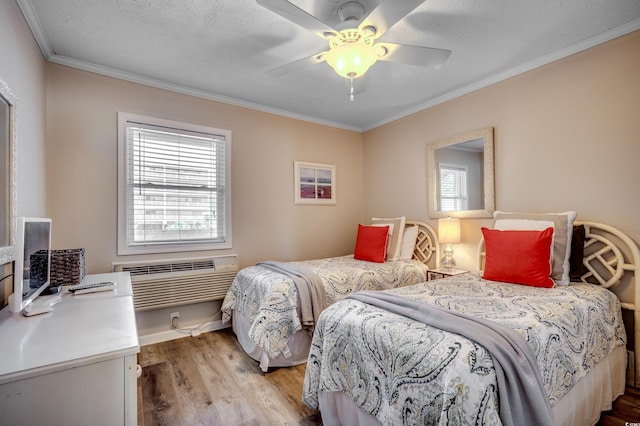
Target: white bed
(352,334)
(264,305)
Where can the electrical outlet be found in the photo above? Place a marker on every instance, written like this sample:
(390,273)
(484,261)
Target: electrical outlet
(174,319)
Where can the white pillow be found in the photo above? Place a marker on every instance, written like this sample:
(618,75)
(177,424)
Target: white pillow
(394,245)
(562,224)
(409,242)
(389,235)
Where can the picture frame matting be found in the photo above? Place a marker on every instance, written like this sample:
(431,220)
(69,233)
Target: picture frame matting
(314,183)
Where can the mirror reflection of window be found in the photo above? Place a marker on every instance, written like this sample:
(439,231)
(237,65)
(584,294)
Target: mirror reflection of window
(454,192)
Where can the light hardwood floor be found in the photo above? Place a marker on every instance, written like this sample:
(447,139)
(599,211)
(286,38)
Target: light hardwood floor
(209,380)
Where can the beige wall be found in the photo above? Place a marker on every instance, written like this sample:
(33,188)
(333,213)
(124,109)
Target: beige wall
(567,137)
(82,179)
(22,69)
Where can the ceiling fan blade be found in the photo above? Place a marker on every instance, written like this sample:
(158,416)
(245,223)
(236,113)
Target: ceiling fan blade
(415,55)
(298,16)
(388,13)
(297,65)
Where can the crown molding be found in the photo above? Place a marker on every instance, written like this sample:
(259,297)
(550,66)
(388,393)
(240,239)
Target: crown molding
(160,84)
(30,15)
(543,60)
(47,51)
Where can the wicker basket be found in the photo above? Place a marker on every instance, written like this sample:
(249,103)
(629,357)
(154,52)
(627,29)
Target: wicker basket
(67,266)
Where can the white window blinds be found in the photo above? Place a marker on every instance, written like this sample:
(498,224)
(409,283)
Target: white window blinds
(453,188)
(176,187)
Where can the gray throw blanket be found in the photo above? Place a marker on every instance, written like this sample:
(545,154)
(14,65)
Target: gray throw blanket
(311,292)
(523,399)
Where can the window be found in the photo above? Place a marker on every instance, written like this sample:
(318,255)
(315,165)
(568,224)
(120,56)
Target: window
(453,187)
(173,186)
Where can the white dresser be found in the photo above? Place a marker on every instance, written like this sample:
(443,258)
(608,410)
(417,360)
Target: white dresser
(75,365)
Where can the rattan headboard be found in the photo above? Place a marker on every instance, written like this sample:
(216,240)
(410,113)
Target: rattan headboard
(427,247)
(612,260)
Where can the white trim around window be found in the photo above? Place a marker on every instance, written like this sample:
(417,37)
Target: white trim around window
(174,186)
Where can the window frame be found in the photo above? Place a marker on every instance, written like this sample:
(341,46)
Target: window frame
(463,197)
(123,247)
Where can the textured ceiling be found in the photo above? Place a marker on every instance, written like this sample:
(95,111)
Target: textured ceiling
(222,49)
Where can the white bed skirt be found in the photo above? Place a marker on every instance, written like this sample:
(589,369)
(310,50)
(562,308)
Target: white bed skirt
(296,353)
(583,404)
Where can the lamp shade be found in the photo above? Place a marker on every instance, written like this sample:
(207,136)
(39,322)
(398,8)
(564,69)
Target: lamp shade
(449,231)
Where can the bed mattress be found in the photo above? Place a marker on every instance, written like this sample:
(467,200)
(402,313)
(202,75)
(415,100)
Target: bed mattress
(269,300)
(404,372)
(581,406)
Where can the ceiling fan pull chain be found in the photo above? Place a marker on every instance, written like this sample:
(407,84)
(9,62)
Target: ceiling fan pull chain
(351,89)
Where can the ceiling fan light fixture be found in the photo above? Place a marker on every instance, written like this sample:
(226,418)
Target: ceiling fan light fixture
(351,60)
(351,54)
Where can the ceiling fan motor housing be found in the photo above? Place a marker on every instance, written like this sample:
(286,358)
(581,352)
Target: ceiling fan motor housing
(351,11)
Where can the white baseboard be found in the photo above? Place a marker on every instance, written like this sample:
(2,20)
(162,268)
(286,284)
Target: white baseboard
(163,336)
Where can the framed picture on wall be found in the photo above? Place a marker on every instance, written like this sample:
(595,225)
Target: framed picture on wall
(315,183)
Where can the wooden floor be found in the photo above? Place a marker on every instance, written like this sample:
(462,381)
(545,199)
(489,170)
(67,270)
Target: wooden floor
(626,410)
(209,380)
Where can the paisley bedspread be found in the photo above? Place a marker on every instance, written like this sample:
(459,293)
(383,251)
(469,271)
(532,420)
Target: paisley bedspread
(270,300)
(405,372)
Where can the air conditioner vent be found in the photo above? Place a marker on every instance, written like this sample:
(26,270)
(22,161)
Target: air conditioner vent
(160,284)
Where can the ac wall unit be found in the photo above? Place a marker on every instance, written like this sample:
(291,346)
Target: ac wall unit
(165,283)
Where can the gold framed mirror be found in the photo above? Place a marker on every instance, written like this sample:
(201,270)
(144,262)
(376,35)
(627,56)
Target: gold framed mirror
(461,176)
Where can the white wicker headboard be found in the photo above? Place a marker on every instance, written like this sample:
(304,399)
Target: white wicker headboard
(612,260)
(427,247)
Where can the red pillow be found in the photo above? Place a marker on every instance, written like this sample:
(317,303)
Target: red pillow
(521,257)
(371,243)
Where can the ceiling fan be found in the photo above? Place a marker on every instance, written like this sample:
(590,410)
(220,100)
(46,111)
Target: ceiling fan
(354,49)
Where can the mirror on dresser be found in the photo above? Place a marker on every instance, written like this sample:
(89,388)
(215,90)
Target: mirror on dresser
(460,175)
(7,186)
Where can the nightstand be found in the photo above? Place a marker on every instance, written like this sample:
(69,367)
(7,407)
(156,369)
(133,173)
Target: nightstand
(436,274)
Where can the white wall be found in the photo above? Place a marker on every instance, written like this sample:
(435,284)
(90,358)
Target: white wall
(567,137)
(22,68)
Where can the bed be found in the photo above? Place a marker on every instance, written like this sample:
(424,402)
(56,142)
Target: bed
(264,306)
(368,365)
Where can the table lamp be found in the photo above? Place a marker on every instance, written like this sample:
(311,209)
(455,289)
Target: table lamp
(448,233)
